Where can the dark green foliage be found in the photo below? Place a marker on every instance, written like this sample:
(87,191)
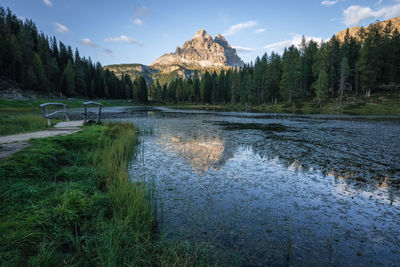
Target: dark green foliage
(37,62)
(142,90)
(310,72)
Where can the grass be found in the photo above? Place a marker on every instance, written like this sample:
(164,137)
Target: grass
(33,105)
(380,104)
(68,201)
(20,122)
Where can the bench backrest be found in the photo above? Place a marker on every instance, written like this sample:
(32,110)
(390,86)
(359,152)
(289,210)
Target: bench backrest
(91,103)
(48,115)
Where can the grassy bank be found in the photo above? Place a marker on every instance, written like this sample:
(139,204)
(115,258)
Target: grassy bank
(382,104)
(68,201)
(18,116)
(13,123)
(33,105)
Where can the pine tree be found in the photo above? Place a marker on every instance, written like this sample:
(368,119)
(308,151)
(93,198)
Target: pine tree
(290,83)
(205,88)
(16,59)
(142,90)
(274,76)
(344,73)
(41,83)
(69,79)
(321,87)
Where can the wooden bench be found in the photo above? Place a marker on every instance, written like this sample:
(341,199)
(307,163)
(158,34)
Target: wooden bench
(91,103)
(48,115)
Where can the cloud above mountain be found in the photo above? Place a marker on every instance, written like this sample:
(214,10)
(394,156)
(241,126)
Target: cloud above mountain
(239,27)
(354,14)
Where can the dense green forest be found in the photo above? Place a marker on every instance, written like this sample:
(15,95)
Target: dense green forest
(38,62)
(365,64)
(321,71)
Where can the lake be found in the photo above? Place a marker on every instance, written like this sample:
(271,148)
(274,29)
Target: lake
(267,189)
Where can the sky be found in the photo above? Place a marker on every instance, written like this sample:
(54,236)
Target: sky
(130,31)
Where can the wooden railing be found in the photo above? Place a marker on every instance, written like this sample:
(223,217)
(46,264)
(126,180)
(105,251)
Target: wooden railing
(86,112)
(48,115)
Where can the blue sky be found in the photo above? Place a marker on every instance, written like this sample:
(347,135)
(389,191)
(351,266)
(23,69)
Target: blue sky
(130,31)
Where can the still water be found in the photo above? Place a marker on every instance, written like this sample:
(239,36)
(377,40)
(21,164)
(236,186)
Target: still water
(263,189)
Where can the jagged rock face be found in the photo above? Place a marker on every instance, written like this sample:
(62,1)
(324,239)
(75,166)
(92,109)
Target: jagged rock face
(353,31)
(202,51)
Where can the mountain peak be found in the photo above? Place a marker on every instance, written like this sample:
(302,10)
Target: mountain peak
(200,52)
(201,34)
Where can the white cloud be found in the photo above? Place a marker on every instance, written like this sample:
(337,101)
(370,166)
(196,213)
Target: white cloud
(329,2)
(279,47)
(141,11)
(123,38)
(379,3)
(87,42)
(353,15)
(238,27)
(242,49)
(47,2)
(138,21)
(60,28)
(257,31)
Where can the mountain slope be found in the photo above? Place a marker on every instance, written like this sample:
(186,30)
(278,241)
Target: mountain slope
(133,70)
(353,31)
(199,54)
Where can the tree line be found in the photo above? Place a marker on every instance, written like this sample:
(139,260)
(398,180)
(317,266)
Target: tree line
(366,63)
(40,63)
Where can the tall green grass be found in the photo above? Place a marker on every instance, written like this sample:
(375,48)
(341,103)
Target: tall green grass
(20,122)
(68,201)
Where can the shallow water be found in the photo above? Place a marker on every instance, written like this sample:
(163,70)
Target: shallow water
(262,189)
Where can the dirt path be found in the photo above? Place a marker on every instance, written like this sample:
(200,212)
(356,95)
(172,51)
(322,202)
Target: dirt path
(12,144)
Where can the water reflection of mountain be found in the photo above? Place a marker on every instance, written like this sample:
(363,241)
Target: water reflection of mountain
(202,153)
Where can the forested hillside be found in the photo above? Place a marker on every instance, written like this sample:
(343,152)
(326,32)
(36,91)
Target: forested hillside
(38,62)
(320,71)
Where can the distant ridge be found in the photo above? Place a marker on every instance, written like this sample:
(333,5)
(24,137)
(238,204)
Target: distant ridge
(353,31)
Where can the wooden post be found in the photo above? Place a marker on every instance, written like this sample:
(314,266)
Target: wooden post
(45,115)
(85,113)
(99,118)
(66,114)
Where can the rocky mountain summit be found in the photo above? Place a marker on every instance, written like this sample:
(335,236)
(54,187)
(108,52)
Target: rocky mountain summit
(200,52)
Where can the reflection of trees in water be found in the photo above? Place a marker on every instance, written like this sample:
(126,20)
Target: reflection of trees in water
(357,183)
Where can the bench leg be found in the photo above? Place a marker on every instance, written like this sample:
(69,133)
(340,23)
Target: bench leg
(99,118)
(48,122)
(85,119)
